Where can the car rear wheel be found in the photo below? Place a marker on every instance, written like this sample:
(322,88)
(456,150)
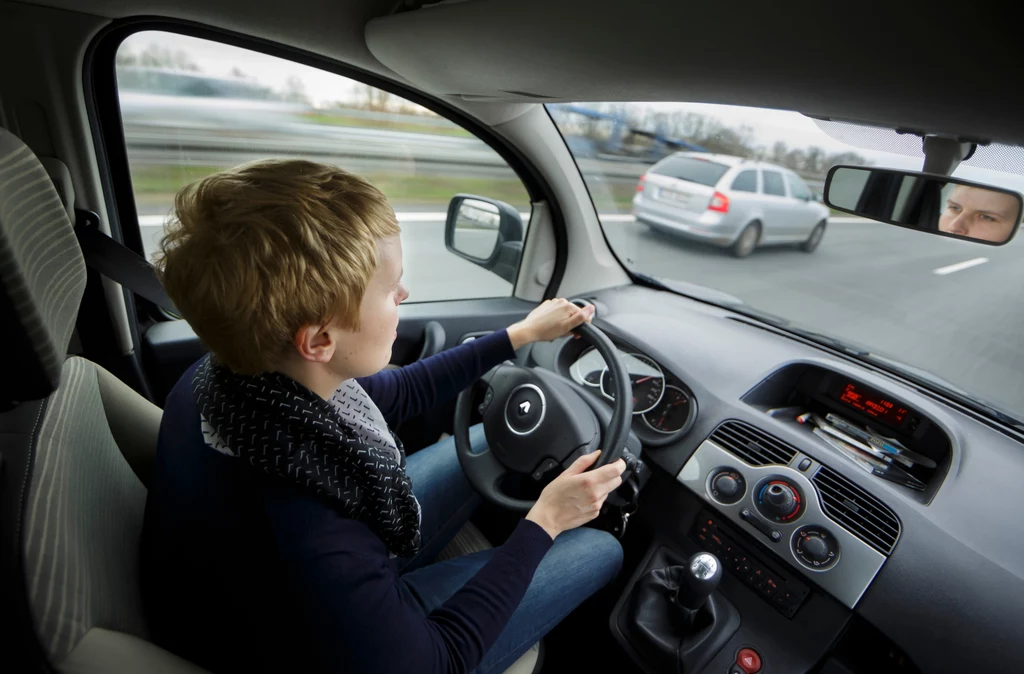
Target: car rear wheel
(817,234)
(747,241)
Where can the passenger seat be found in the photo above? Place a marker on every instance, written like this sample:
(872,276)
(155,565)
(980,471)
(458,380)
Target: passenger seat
(76,451)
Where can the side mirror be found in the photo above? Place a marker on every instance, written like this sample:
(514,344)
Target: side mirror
(486,232)
(926,202)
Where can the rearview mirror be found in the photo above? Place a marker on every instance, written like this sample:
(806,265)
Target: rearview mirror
(486,232)
(926,202)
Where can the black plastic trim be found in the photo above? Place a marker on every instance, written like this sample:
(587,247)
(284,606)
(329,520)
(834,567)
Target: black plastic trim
(20,425)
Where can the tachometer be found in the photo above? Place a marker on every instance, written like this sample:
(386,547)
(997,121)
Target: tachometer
(646,379)
(670,415)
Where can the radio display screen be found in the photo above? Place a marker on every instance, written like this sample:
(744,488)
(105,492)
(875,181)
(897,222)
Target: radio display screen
(872,403)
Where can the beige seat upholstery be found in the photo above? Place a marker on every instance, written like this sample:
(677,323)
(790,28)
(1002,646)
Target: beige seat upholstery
(77,448)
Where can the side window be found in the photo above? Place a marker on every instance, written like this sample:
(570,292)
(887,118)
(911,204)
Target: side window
(797,188)
(773,183)
(746,181)
(191,107)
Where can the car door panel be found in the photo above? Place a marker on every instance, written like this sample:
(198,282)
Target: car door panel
(806,211)
(777,224)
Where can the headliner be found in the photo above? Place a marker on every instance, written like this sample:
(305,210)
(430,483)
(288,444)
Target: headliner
(908,64)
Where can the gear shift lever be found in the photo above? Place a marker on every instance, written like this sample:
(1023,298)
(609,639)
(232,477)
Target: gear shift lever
(703,572)
(675,617)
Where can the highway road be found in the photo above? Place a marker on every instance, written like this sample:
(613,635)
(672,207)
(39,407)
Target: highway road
(362,150)
(949,307)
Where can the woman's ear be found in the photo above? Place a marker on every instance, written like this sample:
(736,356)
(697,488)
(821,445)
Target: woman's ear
(315,343)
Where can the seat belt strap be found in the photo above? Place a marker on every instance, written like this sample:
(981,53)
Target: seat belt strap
(120,263)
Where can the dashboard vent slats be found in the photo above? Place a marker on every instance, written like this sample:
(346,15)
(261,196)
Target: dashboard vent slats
(752,445)
(857,511)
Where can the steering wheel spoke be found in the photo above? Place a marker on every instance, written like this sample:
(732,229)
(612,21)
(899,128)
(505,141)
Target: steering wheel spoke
(531,416)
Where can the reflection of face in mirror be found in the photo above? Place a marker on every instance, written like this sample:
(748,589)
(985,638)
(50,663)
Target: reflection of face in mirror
(476,228)
(979,214)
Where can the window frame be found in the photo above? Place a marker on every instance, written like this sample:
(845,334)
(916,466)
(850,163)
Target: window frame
(99,82)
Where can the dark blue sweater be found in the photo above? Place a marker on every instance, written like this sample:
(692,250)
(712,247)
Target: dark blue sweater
(244,572)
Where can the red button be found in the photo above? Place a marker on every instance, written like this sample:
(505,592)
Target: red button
(749,660)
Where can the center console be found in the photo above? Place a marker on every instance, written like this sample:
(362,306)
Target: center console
(785,507)
(798,545)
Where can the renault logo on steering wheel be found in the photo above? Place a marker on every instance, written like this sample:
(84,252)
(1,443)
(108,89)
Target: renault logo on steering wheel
(524,409)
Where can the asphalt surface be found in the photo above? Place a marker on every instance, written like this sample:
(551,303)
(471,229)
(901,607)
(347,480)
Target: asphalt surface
(876,286)
(870,284)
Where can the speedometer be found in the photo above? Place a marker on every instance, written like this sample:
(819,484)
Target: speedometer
(646,379)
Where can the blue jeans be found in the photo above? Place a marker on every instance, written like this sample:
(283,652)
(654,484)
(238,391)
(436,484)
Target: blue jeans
(580,562)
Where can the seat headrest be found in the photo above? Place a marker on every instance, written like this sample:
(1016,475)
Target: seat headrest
(42,275)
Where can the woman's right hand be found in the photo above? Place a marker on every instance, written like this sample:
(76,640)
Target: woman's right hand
(575,497)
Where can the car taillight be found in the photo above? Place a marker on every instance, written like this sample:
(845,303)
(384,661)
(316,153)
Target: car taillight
(719,203)
(640,185)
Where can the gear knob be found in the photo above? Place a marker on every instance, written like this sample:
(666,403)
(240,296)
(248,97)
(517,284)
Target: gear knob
(703,571)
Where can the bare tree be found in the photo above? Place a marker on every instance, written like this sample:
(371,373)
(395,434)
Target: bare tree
(375,99)
(779,152)
(155,56)
(295,90)
(126,58)
(814,161)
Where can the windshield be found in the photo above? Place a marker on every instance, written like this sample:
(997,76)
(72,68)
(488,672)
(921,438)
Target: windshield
(729,198)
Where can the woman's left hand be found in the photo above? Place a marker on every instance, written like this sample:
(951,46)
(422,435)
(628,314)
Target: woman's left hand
(551,320)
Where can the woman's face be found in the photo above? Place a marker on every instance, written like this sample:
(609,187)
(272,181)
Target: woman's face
(979,214)
(367,349)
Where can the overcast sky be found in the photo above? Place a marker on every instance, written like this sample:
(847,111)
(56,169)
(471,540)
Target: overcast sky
(766,126)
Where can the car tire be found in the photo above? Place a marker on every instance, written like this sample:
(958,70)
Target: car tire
(814,240)
(747,240)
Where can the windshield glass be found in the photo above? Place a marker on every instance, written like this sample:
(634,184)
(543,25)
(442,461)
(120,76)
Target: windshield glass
(729,198)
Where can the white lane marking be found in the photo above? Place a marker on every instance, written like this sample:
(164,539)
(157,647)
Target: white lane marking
(960,266)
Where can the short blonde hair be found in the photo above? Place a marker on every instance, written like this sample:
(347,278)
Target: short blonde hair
(254,253)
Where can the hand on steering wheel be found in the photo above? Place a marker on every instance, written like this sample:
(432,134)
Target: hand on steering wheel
(575,497)
(550,320)
(536,421)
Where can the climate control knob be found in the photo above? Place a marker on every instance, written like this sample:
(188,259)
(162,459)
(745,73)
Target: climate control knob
(727,486)
(815,547)
(778,500)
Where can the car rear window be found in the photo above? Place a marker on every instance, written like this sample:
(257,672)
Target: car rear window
(692,170)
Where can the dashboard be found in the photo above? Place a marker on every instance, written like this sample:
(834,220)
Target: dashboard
(926,549)
(663,406)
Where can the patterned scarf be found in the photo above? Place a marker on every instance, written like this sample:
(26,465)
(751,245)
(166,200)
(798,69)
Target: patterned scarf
(339,450)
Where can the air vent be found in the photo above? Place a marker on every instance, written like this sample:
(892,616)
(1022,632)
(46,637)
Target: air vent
(856,510)
(752,445)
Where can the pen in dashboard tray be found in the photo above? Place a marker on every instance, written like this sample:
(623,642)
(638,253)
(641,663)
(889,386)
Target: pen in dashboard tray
(876,467)
(889,446)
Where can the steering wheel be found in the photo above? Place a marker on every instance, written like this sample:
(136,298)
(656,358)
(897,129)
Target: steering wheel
(535,420)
